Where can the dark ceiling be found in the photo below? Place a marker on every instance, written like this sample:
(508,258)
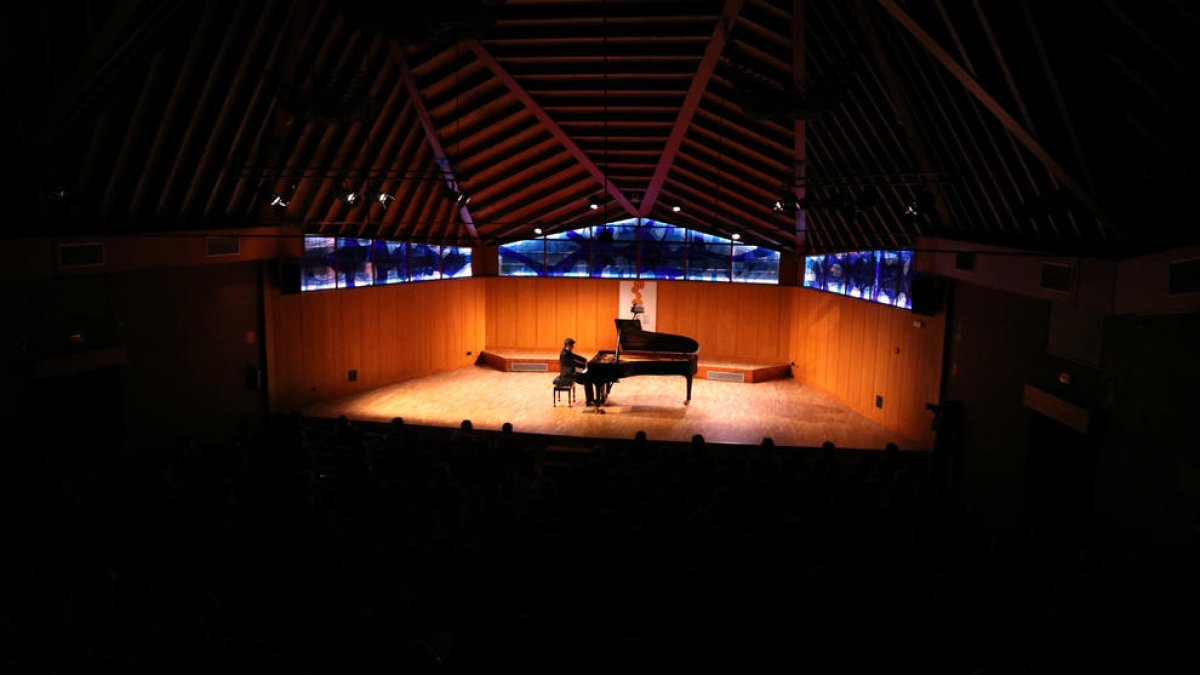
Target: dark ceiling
(1060,126)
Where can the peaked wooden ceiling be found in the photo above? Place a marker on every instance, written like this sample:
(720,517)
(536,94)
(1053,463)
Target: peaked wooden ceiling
(1001,121)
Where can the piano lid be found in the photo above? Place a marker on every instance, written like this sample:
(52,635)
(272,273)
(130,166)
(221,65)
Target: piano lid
(631,338)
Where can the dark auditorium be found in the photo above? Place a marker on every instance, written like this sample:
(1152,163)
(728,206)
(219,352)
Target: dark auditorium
(600,336)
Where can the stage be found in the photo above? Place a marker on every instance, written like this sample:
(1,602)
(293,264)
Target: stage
(789,412)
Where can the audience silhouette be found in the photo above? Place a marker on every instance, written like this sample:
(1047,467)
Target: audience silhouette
(337,546)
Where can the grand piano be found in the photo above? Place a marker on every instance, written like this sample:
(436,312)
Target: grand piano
(643,352)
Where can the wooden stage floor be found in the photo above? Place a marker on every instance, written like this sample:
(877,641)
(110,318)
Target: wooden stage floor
(791,413)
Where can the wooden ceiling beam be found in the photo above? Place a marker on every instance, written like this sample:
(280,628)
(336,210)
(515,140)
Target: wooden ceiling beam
(683,122)
(550,125)
(993,106)
(431,135)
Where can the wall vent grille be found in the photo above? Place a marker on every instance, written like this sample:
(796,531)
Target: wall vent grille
(80,255)
(1056,277)
(722,376)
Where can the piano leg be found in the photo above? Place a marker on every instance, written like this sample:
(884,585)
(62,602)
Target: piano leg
(689,398)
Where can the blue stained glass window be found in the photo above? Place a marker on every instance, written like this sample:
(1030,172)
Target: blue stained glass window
(860,277)
(663,260)
(391,261)
(566,258)
(456,262)
(709,262)
(525,258)
(317,266)
(352,261)
(425,262)
(574,235)
(889,271)
(904,293)
(702,237)
(652,231)
(622,230)
(879,276)
(755,265)
(644,248)
(814,272)
(835,273)
(613,258)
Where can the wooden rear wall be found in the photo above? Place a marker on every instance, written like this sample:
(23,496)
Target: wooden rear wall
(386,333)
(728,320)
(856,350)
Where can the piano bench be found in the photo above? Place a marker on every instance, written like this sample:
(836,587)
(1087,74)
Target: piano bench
(568,389)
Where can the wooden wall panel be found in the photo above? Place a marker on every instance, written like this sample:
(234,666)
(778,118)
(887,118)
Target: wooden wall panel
(190,335)
(855,350)
(589,297)
(866,373)
(668,304)
(687,300)
(728,320)
(387,334)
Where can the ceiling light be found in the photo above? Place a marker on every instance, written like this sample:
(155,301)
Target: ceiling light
(676,207)
(735,236)
(593,204)
(537,231)
(462,199)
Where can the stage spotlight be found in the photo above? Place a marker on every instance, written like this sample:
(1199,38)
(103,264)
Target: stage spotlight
(384,199)
(349,196)
(789,204)
(278,200)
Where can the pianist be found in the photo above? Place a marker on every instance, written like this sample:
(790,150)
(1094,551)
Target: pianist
(569,364)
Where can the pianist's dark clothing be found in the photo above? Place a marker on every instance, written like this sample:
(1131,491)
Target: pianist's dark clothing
(568,361)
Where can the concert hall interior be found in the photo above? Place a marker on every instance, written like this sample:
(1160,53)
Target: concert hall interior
(892,308)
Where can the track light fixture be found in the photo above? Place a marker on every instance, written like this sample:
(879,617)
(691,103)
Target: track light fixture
(384,199)
(785,204)
(456,194)
(278,200)
(349,196)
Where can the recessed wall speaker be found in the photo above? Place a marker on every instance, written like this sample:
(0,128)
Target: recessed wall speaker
(1056,277)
